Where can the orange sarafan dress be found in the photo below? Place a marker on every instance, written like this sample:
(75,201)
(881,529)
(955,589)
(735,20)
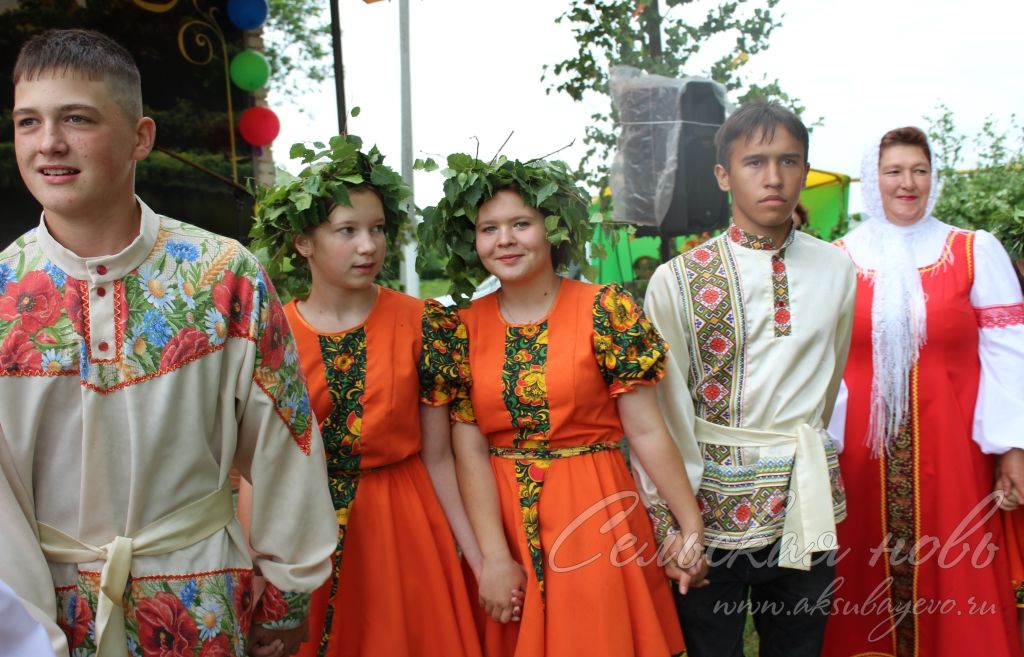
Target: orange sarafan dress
(397,587)
(544,396)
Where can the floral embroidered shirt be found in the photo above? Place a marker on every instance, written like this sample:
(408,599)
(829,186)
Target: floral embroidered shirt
(759,336)
(130,385)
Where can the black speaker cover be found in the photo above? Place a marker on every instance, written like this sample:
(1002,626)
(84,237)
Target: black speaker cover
(698,204)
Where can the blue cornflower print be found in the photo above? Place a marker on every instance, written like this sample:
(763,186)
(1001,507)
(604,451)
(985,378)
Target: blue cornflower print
(83,360)
(6,276)
(188,593)
(56,274)
(184,251)
(156,328)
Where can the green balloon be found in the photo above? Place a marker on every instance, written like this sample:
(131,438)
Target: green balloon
(250,70)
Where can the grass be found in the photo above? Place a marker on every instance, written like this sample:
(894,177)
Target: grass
(750,642)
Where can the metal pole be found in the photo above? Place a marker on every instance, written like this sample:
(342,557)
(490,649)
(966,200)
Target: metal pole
(339,70)
(410,278)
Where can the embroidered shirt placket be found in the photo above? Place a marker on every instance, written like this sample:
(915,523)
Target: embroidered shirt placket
(104,344)
(782,317)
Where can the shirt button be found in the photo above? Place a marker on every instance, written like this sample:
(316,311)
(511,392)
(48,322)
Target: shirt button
(101,269)
(103,346)
(101,291)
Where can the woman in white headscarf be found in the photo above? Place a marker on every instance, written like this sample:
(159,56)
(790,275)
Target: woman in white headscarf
(935,382)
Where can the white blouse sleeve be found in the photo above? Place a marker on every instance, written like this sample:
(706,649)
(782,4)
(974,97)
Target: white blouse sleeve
(663,307)
(997,301)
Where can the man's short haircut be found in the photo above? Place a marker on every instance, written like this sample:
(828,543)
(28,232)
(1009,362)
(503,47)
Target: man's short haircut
(84,52)
(756,119)
(908,136)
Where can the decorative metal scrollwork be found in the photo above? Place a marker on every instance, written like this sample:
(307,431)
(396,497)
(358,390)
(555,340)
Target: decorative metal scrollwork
(201,30)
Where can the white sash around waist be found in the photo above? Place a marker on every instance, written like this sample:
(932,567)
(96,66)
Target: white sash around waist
(809,513)
(176,530)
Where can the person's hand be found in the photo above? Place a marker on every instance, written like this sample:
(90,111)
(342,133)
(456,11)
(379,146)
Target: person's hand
(1010,479)
(276,643)
(501,586)
(687,564)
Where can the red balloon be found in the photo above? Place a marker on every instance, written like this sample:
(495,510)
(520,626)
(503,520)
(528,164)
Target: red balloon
(259,126)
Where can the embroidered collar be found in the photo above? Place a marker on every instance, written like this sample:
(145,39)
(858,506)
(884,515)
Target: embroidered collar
(113,266)
(756,242)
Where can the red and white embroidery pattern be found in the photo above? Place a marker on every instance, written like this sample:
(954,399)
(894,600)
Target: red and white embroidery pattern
(780,280)
(780,294)
(716,369)
(1000,316)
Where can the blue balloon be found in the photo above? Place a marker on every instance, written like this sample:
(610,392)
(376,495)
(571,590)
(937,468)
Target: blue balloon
(248,14)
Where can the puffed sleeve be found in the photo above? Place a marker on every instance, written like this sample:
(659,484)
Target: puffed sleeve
(664,306)
(443,358)
(996,298)
(461,407)
(628,349)
(294,527)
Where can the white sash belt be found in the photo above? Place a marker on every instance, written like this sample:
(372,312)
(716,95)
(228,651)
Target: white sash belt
(176,530)
(809,515)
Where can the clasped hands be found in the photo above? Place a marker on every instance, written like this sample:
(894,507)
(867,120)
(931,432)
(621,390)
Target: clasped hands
(687,563)
(502,582)
(264,642)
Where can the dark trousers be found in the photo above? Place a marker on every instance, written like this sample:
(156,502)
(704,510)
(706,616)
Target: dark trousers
(789,606)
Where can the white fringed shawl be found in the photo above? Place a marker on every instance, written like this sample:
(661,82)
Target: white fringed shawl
(898,316)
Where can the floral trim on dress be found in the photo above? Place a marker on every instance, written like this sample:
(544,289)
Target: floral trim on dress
(344,359)
(525,392)
(194,291)
(629,350)
(900,498)
(443,365)
(200,615)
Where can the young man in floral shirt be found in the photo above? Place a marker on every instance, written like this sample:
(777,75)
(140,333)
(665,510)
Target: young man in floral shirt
(140,359)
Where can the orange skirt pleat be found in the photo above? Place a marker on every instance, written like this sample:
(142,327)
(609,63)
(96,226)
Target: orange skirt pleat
(605,595)
(401,590)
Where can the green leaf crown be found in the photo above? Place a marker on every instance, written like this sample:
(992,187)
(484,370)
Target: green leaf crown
(299,203)
(545,185)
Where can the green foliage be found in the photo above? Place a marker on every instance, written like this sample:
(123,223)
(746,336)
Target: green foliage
(609,32)
(469,182)
(991,196)
(297,39)
(299,203)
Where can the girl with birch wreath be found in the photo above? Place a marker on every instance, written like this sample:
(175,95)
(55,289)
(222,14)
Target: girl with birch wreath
(559,371)
(371,355)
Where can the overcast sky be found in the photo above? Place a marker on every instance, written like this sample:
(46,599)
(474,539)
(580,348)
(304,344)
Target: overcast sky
(863,67)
